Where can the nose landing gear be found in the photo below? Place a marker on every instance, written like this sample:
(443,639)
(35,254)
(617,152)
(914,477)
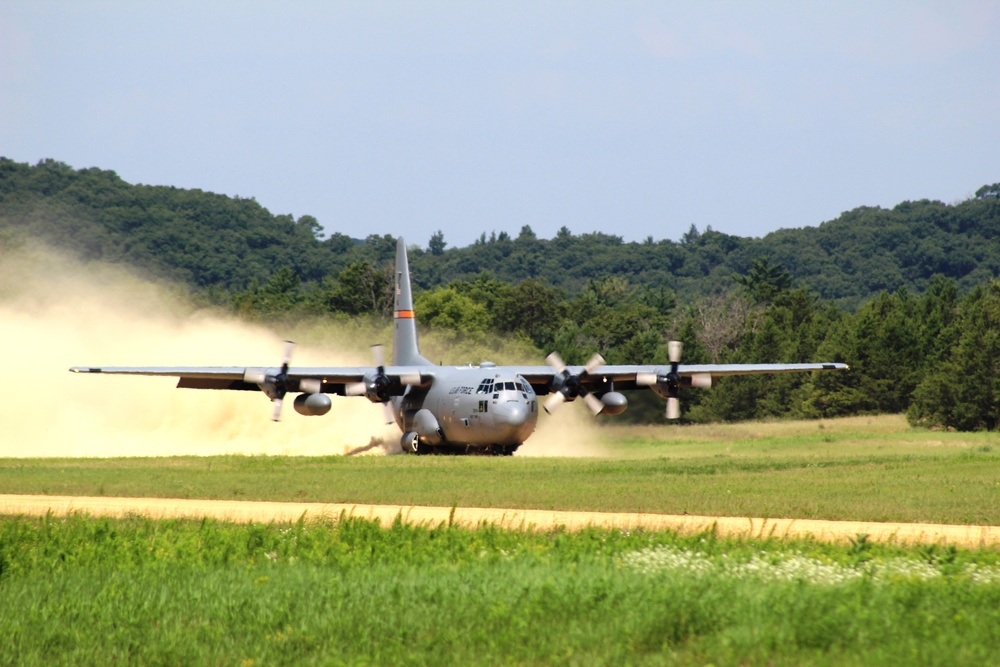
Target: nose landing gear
(410,443)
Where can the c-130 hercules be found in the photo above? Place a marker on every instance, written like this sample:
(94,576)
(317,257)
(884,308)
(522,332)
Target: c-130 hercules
(486,409)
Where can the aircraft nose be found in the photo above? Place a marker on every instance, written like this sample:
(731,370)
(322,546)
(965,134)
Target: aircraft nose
(511,414)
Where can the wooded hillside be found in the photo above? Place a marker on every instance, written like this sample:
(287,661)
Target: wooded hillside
(214,240)
(907,296)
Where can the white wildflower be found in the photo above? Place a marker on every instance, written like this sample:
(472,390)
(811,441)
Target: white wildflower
(794,567)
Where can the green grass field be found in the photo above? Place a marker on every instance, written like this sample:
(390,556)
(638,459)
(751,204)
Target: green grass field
(137,591)
(867,469)
(81,590)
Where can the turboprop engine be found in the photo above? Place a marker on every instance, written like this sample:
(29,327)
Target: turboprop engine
(378,387)
(667,385)
(567,386)
(275,386)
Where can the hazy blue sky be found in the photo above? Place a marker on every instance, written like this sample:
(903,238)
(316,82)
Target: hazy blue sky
(638,119)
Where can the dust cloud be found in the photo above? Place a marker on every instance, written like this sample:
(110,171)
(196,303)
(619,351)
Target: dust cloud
(571,431)
(56,312)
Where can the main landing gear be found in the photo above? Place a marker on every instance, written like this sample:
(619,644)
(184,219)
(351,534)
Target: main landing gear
(501,450)
(410,443)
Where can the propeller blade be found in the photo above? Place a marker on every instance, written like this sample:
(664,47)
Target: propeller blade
(390,417)
(310,386)
(674,348)
(553,402)
(289,346)
(673,408)
(378,353)
(556,362)
(356,389)
(595,361)
(702,380)
(254,376)
(277,410)
(410,379)
(593,403)
(645,379)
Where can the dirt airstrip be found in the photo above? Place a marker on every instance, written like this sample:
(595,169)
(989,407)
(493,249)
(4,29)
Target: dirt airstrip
(263,511)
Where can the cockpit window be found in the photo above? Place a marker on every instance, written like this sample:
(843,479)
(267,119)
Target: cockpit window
(485,387)
(509,386)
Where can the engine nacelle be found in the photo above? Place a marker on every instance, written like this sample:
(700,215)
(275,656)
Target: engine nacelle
(376,387)
(614,403)
(312,405)
(668,383)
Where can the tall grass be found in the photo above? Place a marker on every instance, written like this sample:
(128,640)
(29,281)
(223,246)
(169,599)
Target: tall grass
(78,590)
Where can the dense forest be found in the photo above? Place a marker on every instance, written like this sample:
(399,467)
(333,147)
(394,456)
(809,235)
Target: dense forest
(907,296)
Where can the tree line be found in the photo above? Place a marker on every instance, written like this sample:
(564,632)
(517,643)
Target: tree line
(229,243)
(907,296)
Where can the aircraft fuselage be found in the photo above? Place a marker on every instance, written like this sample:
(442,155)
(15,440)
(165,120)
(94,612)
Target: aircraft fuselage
(479,407)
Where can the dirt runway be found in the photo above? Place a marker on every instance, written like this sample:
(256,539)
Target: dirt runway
(264,511)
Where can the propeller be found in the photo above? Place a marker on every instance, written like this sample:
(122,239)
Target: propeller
(275,386)
(570,386)
(674,349)
(379,387)
(670,382)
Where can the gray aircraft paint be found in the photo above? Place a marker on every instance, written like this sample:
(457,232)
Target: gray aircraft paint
(405,351)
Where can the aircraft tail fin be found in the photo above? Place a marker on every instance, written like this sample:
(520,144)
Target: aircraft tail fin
(405,351)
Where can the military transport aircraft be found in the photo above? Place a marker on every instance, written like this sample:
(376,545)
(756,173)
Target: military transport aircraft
(457,409)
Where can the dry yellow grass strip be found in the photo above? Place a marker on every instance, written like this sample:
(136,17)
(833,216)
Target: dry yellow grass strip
(263,511)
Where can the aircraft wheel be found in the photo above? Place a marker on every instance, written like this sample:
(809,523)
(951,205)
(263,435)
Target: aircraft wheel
(410,443)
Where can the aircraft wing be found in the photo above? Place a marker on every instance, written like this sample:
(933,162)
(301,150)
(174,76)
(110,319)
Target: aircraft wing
(690,372)
(333,380)
(636,376)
